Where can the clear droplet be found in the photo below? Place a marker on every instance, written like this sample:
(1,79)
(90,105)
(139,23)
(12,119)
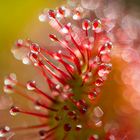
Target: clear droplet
(104,70)
(14,110)
(77,15)
(94,137)
(26,61)
(19,43)
(106,48)
(52,14)
(97,26)
(78,127)
(61,12)
(92,95)
(53,37)
(33,57)
(86,24)
(31,85)
(10,79)
(35,48)
(42,17)
(8,89)
(99,82)
(4,131)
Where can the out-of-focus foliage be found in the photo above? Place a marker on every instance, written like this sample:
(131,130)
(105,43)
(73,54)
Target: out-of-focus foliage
(16,15)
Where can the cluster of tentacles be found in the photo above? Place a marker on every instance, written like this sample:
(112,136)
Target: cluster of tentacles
(75,70)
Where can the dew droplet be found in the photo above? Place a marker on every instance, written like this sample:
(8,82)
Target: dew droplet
(4,131)
(99,82)
(31,85)
(92,95)
(77,15)
(26,61)
(106,48)
(52,14)
(10,79)
(61,12)
(42,17)
(35,48)
(78,127)
(94,137)
(97,26)
(14,110)
(8,89)
(86,24)
(104,70)
(53,37)
(19,43)
(33,57)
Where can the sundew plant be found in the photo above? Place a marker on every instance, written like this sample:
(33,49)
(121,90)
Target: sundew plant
(75,69)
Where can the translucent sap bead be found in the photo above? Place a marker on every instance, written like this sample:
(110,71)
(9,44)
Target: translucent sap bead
(26,61)
(104,70)
(14,110)
(52,14)
(8,89)
(97,26)
(4,131)
(106,48)
(77,15)
(86,24)
(78,127)
(42,17)
(61,12)
(99,82)
(31,85)
(10,80)
(53,37)
(35,48)
(33,57)
(92,95)
(19,43)
(93,137)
